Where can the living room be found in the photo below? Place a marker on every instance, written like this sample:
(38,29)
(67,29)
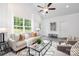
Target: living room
(24,18)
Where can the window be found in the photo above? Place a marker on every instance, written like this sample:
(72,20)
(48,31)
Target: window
(27,25)
(19,23)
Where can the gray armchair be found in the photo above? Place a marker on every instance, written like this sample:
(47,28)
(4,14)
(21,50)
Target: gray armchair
(66,47)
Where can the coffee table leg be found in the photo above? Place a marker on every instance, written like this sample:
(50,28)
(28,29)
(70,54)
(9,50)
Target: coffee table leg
(29,51)
(39,53)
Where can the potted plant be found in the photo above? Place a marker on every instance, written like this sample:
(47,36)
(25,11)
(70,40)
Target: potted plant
(38,41)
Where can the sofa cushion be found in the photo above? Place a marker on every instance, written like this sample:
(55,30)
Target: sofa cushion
(15,37)
(27,36)
(20,43)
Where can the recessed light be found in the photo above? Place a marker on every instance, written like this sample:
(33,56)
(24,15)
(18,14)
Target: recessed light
(67,6)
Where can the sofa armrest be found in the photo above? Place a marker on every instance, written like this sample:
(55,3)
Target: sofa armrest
(12,43)
(31,40)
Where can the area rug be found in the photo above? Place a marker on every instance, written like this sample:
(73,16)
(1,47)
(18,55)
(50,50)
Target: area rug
(51,52)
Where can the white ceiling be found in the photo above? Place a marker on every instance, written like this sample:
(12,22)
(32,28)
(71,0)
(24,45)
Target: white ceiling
(60,9)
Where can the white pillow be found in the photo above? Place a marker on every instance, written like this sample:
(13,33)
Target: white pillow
(63,43)
(69,38)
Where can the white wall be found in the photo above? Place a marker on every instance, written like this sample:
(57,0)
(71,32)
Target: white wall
(24,10)
(3,15)
(8,11)
(67,25)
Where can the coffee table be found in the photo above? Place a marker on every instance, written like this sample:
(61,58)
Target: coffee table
(40,49)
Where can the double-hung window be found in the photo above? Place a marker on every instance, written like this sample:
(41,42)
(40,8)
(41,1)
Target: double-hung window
(27,25)
(21,25)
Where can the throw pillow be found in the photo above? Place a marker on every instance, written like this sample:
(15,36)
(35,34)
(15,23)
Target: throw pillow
(21,37)
(34,34)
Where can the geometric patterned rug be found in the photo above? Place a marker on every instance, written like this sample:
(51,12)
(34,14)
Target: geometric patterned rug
(51,52)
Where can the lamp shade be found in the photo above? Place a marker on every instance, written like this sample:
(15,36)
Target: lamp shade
(37,29)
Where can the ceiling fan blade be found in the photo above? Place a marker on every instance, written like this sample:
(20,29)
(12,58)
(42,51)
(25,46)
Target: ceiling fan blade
(49,4)
(52,8)
(40,10)
(39,6)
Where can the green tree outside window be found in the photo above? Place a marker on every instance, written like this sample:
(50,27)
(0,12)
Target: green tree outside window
(18,25)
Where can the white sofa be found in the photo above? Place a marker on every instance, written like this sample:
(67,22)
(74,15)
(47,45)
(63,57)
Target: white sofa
(16,45)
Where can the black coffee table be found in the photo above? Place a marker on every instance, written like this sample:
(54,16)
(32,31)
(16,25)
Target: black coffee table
(40,49)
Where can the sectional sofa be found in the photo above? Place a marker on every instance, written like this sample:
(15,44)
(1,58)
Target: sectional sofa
(17,45)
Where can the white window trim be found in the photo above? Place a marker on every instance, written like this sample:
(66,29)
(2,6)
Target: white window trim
(24,30)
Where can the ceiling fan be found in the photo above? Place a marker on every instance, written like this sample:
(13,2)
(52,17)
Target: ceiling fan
(46,8)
